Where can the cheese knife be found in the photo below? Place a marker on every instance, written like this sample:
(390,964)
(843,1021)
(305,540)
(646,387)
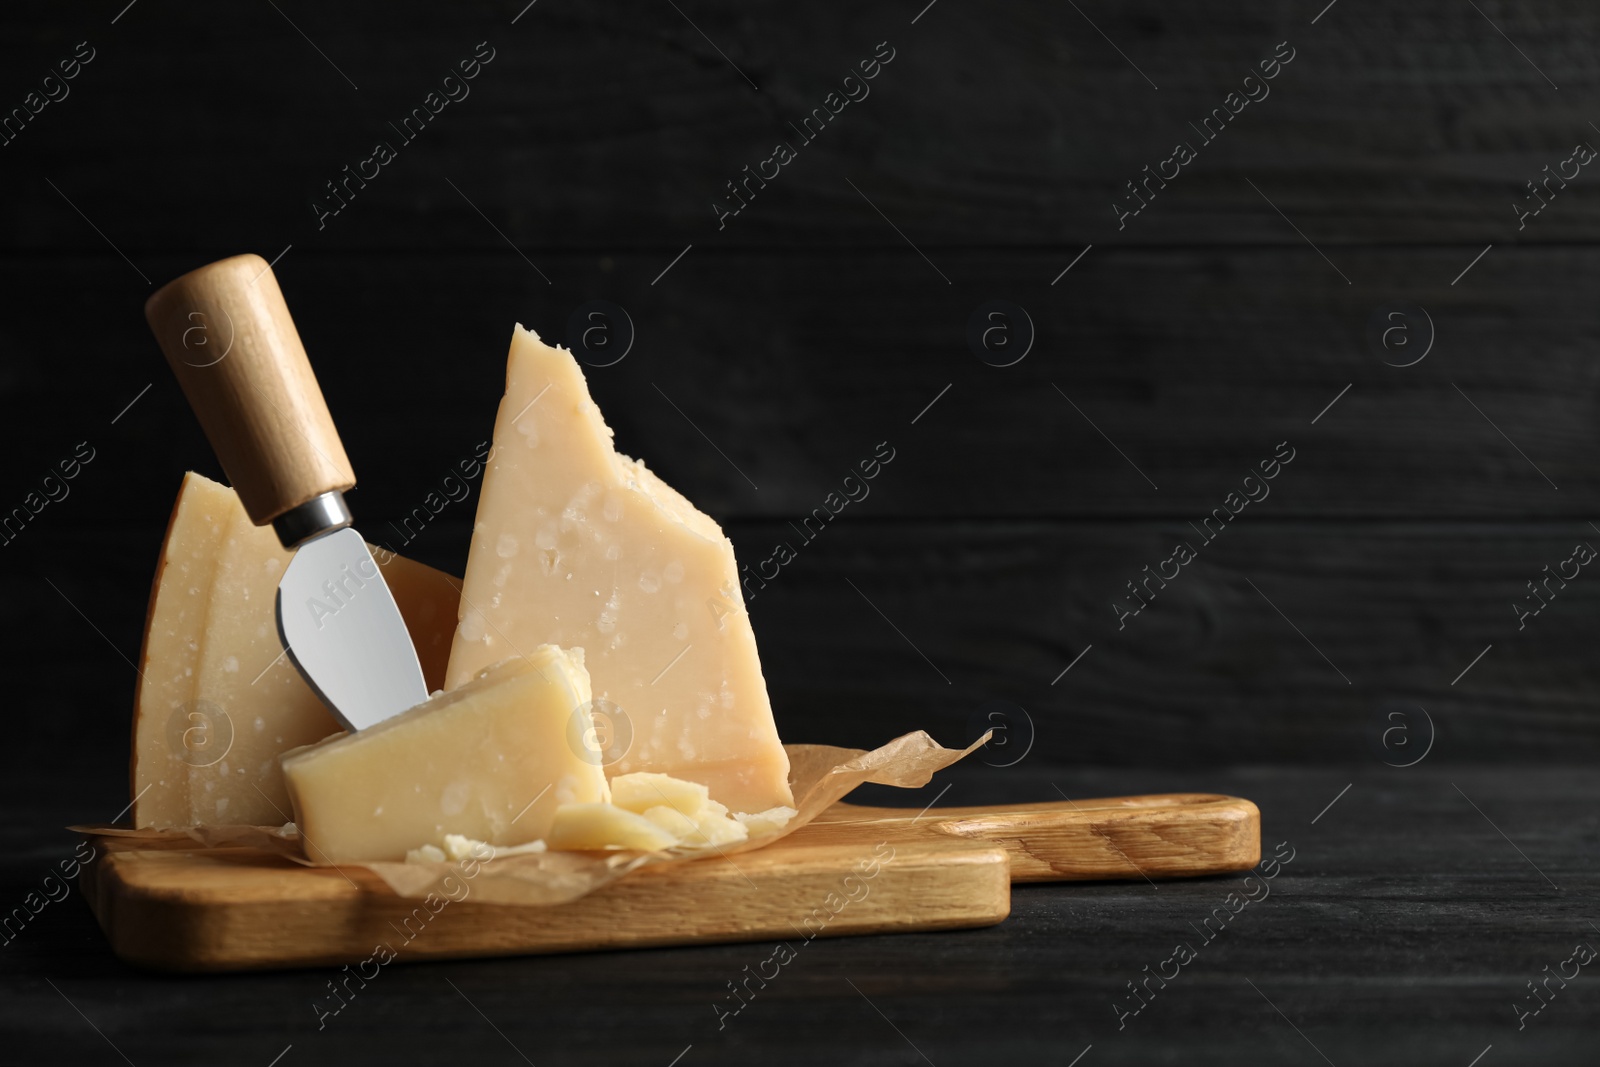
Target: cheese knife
(228,337)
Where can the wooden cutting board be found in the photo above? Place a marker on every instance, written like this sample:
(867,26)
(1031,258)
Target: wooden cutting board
(944,868)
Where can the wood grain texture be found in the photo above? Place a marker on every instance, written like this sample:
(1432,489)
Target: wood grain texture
(618,127)
(1278,638)
(1195,363)
(1401,933)
(1210,672)
(1398,142)
(1178,835)
(196,912)
(234,349)
(857,870)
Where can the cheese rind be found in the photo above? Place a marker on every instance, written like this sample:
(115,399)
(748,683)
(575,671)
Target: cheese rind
(580,546)
(489,761)
(217,700)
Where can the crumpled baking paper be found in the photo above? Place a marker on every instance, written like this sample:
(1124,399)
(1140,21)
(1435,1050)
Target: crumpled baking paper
(820,775)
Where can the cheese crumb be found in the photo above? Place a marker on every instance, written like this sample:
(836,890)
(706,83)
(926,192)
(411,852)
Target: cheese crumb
(425,854)
(766,822)
(458,847)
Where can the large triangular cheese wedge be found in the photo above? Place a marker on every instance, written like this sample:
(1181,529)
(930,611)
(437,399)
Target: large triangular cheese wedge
(578,546)
(216,704)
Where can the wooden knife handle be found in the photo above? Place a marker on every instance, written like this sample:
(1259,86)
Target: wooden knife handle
(228,336)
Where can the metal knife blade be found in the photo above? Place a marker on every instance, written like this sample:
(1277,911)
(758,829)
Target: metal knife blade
(341,627)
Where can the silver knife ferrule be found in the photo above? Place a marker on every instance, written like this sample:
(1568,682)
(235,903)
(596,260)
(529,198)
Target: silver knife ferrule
(319,515)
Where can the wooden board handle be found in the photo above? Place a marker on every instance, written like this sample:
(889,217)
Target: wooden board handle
(228,336)
(1171,835)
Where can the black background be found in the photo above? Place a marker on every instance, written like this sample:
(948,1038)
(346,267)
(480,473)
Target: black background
(1377,580)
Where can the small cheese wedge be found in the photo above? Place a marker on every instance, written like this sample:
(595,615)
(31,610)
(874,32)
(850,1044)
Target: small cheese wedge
(491,761)
(643,790)
(217,701)
(580,546)
(592,827)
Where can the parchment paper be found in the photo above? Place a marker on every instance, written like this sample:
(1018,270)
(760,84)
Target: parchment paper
(819,775)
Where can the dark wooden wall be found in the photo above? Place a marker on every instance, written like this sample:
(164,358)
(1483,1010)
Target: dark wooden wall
(808,330)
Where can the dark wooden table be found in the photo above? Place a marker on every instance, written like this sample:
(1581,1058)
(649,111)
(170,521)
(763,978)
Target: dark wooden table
(1241,312)
(1417,905)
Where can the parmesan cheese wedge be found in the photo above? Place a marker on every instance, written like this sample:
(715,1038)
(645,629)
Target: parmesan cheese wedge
(218,701)
(490,761)
(580,546)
